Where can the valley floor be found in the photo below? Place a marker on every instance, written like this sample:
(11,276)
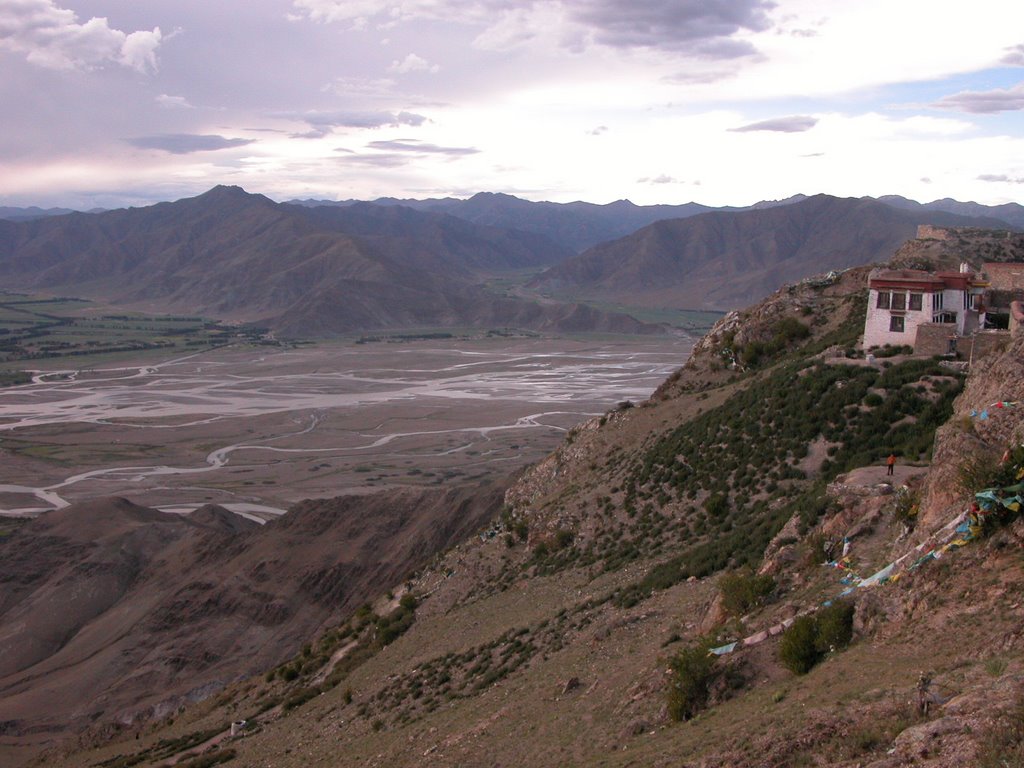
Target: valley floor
(259,428)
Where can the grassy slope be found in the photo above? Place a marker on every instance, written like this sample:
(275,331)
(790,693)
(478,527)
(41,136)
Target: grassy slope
(482,677)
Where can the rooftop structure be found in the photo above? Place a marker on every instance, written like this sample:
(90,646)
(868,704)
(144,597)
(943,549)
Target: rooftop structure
(945,313)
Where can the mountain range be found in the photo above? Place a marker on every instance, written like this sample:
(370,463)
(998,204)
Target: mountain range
(326,269)
(301,271)
(581,225)
(723,260)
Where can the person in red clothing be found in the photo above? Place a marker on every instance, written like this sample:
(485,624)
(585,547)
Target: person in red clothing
(890,463)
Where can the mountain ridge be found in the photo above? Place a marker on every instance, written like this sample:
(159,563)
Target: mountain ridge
(245,258)
(722,260)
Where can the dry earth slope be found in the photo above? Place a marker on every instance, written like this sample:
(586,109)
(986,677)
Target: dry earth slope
(550,638)
(115,613)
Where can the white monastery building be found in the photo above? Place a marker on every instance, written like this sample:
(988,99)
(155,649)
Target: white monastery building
(901,301)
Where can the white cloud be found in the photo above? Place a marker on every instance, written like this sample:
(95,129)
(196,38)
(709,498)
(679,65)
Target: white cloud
(413,63)
(173,102)
(52,37)
(138,50)
(352,11)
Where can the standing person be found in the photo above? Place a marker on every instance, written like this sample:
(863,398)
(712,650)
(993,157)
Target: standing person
(890,463)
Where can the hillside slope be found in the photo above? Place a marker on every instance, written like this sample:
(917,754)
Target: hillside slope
(549,639)
(728,260)
(113,612)
(302,271)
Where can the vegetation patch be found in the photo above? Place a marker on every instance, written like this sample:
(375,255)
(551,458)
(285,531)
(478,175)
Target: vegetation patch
(743,590)
(810,638)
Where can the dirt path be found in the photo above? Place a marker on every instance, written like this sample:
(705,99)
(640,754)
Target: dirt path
(876,474)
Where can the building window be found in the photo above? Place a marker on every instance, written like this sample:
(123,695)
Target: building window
(899,300)
(937,302)
(915,302)
(883,299)
(896,324)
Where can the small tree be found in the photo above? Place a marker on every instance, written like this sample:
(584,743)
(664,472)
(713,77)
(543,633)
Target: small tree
(693,671)
(743,590)
(811,638)
(798,648)
(834,627)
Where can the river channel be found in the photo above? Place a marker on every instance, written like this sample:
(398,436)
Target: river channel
(258,428)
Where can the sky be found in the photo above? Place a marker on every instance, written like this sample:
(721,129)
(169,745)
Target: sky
(723,102)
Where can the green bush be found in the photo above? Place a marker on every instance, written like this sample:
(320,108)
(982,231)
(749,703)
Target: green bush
(810,638)
(289,673)
(693,670)
(408,602)
(798,649)
(717,505)
(743,590)
(834,626)
(563,538)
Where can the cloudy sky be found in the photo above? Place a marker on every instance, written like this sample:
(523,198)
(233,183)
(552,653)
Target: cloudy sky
(119,102)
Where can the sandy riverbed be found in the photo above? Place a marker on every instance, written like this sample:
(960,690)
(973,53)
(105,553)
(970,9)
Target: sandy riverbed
(260,428)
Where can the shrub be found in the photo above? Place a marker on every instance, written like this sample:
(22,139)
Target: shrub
(797,649)
(905,508)
(408,602)
(811,638)
(563,538)
(834,626)
(289,673)
(693,670)
(717,505)
(743,590)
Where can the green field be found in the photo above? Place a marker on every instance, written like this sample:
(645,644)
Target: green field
(695,321)
(35,329)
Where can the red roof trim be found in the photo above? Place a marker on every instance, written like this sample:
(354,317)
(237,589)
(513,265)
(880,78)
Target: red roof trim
(907,285)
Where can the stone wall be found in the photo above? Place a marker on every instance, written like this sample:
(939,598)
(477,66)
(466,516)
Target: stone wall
(931,232)
(934,338)
(1006,276)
